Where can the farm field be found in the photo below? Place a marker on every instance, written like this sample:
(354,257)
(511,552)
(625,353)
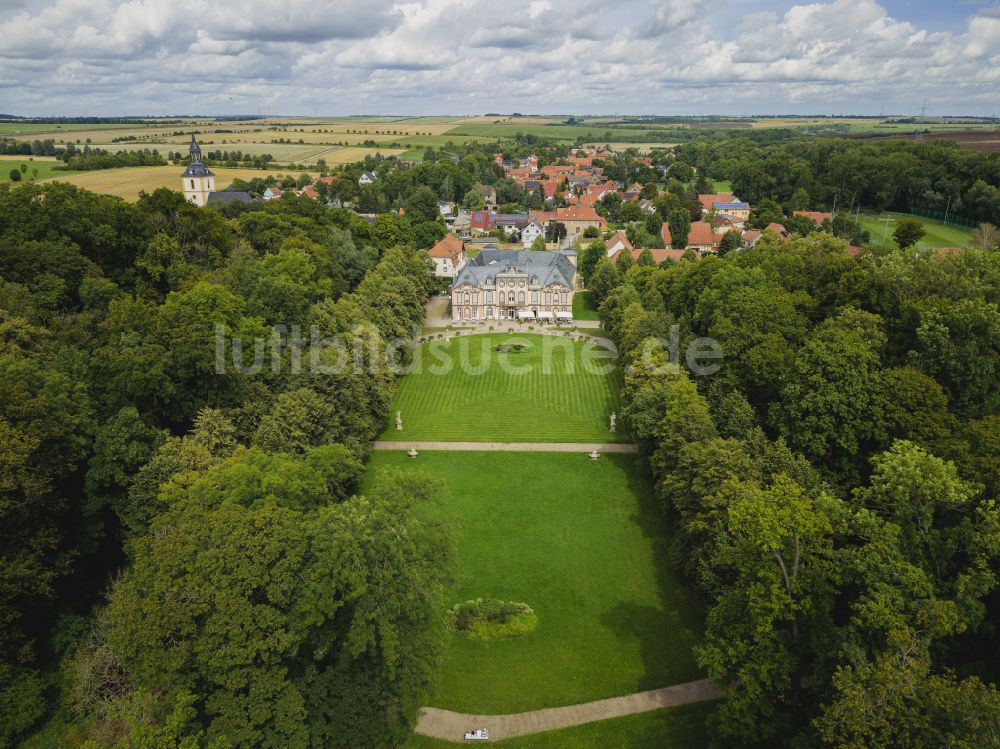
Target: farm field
(671,728)
(584,544)
(128,182)
(938,233)
(550,392)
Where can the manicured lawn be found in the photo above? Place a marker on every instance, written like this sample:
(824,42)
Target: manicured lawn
(556,390)
(938,233)
(671,728)
(583,307)
(583,543)
(723,186)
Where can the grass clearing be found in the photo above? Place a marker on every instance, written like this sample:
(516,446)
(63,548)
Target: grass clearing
(46,168)
(938,233)
(670,728)
(464,390)
(583,307)
(584,544)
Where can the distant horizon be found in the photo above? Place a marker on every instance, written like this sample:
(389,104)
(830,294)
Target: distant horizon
(549,115)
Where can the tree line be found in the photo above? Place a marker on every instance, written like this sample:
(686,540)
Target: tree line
(833,488)
(186,557)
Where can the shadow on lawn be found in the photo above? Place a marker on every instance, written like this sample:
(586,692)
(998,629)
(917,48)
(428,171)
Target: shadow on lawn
(666,633)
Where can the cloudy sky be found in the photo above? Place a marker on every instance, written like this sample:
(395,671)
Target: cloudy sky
(75,57)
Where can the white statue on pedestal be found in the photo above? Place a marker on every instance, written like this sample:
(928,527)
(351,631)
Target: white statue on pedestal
(399,421)
(614,419)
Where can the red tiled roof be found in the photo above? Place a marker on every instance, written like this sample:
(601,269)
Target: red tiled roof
(449,247)
(817,216)
(776,228)
(665,233)
(720,197)
(701,234)
(578,213)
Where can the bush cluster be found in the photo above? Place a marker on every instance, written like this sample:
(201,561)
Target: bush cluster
(490,619)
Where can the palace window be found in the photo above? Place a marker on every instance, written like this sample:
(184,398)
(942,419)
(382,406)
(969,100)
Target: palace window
(565,297)
(510,298)
(468,297)
(489,297)
(520,298)
(548,297)
(534,297)
(475,297)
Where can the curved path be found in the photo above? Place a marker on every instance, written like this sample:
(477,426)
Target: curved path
(512,447)
(451,726)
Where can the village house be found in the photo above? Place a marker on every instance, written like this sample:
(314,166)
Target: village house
(818,216)
(532,231)
(736,208)
(577,219)
(514,285)
(448,255)
(272,193)
(367,178)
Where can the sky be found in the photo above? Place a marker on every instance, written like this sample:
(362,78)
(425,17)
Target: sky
(340,57)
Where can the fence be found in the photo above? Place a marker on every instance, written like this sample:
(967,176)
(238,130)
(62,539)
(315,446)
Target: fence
(951,218)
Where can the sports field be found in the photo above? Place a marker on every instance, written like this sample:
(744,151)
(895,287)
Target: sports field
(554,390)
(584,544)
(938,233)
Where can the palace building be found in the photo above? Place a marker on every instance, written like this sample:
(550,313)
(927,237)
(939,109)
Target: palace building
(514,285)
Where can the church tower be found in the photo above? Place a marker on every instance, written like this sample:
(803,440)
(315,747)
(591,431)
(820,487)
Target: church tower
(197,182)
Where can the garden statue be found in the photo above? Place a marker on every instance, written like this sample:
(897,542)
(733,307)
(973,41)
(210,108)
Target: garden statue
(399,421)
(614,418)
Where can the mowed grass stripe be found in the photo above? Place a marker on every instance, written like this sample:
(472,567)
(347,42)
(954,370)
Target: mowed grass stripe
(551,393)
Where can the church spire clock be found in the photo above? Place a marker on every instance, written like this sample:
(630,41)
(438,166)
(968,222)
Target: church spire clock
(197,181)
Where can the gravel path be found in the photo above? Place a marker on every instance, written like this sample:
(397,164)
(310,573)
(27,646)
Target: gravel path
(512,447)
(451,726)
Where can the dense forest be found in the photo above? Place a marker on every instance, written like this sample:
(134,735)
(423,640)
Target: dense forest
(183,557)
(893,175)
(833,488)
(186,560)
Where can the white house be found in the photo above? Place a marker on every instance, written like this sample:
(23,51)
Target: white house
(530,233)
(367,178)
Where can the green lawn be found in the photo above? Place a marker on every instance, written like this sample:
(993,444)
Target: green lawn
(584,544)
(46,169)
(463,390)
(724,186)
(938,233)
(583,307)
(671,728)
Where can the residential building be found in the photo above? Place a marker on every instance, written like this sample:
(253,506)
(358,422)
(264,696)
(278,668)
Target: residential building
(736,208)
(702,238)
(514,284)
(367,178)
(272,193)
(576,219)
(818,216)
(448,256)
(532,231)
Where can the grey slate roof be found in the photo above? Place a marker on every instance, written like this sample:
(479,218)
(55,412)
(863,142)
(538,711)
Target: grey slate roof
(197,169)
(549,267)
(229,196)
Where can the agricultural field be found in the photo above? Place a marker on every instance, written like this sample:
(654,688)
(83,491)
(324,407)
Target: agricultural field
(938,233)
(128,182)
(552,391)
(670,728)
(584,544)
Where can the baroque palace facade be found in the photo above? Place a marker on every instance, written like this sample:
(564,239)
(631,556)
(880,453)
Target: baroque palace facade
(515,285)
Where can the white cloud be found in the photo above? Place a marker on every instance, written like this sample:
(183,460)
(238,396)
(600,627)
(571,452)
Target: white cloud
(343,56)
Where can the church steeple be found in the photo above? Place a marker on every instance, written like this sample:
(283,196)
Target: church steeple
(197,181)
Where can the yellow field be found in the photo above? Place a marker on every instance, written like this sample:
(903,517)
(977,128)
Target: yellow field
(127,182)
